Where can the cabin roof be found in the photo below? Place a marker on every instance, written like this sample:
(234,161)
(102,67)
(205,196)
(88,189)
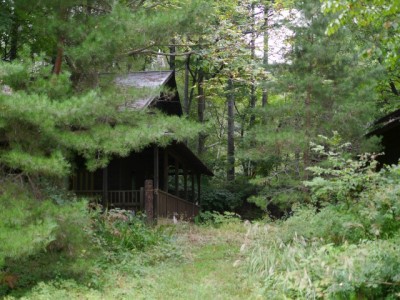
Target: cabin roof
(144,79)
(150,82)
(387,128)
(386,123)
(191,158)
(389,117)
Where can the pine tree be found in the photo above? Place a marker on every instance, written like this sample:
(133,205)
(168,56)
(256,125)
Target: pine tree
(375,24)
(322,87)
(52,101)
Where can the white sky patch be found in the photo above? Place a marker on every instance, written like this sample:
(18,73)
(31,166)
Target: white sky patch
(278,35)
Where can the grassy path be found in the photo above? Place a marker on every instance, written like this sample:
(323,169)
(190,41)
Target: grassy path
(201,267)
(206,270)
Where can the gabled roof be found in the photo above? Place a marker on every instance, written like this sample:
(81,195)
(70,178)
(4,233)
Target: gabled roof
(386,123)
(144,79)
(150,82)
(189,157)
(388,128)
(389,117)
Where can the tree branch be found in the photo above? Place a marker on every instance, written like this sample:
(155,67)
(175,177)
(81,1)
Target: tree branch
(144,51)
(393,88)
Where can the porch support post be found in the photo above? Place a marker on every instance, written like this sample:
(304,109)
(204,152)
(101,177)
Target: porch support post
(156,179)
(176,177)
(149,200)
(74,182)
(192,182)
(142,198)
(91,181)
(198,187)
(165,188)
(105,187)
(185,179)
(156,168)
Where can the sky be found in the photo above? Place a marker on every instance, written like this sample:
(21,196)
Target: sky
(277,34)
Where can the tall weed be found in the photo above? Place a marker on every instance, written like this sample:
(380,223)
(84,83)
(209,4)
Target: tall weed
(314,269)
(344,246)
(120,230)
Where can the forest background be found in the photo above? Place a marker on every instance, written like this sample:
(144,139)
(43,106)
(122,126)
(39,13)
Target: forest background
(279,94)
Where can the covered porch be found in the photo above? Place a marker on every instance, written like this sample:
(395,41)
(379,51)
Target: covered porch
(163,182)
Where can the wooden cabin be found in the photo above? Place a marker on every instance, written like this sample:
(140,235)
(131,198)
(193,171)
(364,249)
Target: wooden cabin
(163,181)
(388,128)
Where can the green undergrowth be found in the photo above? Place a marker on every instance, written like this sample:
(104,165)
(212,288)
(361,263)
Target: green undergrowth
(343,245)
(61,248)
(197,262)
(61,240)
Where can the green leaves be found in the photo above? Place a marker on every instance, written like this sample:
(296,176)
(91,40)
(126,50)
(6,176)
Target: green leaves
(340,179)
(40,131)
(343,246)
(54,165)
(120,231)
(377,16)
(309,267)
(355,186)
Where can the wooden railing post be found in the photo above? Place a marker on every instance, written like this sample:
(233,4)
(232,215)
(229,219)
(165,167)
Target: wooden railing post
(105,188)
(166,170)
(141,198)
(185,182)
(198,188)
(148,200)
(156,182)
(176,177)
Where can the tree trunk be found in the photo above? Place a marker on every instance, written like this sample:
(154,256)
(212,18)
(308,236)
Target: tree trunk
(253,98)
(186,88)
(63,15)
(231,130)
(194,76)
(14,38)
(59,58)
(264,100)
(172,50)
(200,111)
(306,154)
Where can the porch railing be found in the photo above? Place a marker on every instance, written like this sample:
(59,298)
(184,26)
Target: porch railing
(127,199)
(169,205)
(95,194)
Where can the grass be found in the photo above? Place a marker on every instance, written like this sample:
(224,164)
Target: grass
(207,272)
(200,264)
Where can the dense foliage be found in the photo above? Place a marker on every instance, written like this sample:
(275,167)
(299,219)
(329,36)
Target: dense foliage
(28,226)
(120,231)
(345,246)
(262,82)
(62,239)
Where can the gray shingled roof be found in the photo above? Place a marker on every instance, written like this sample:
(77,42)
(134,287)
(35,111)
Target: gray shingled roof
(149,82)
(386,123)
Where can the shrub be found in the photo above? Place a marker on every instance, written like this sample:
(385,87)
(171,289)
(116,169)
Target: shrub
(28,226)
(357,189)
(217,219)
(120,230)
(313,269)
(331,224)
(344,246)
(219,199)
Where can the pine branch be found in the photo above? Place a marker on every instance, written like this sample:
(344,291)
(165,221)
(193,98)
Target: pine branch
(144,51)
(393,88)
